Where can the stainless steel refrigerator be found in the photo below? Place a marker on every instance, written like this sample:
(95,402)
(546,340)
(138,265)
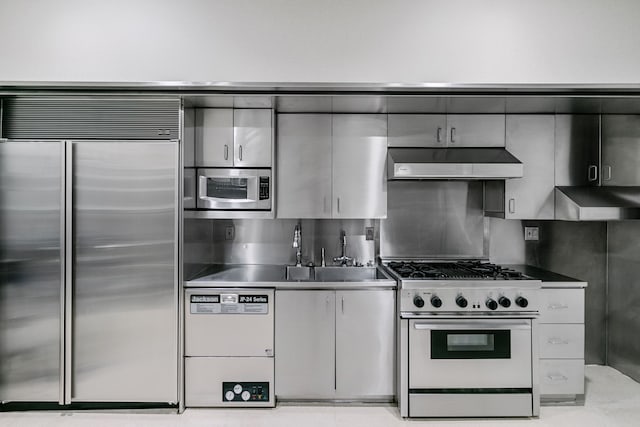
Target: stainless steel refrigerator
(88,279)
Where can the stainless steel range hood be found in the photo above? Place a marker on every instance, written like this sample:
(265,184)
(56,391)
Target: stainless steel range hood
(453,163)
(597,203)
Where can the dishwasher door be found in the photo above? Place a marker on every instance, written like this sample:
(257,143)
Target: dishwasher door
(229,322)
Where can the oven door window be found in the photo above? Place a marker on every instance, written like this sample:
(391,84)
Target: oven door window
(471,344)
(231,189)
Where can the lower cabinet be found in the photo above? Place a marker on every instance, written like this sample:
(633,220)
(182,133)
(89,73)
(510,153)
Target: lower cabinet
(335,345)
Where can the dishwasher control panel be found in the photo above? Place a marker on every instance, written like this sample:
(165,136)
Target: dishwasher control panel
(245,391)
(229,303)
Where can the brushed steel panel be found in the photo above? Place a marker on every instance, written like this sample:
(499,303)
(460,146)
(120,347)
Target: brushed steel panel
(304,166)
(562,306)
(125,307)
(577,148)
(305,344)
(190,185)
(365,344)
(30,270)
(561,376)
(417,130)
(620,150)
(359,166)
(252,134)
(214,137)
(471,405)
(189,138)
(558,341)
(476,130)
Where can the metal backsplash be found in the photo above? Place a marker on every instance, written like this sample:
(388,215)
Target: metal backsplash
(429,219)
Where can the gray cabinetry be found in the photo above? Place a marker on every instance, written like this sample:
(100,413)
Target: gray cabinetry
(452,130)
(620,150)
(233,138)
(332,166)
(304,166)
(334,344)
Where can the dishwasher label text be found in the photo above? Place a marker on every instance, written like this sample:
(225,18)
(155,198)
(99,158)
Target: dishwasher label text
(212,304)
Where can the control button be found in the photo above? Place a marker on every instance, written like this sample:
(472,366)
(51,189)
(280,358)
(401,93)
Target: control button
(436,301)
(522,302)
(461,301)
(246,395)
(491,304)
(229,395)
(418,301)
(237,389)
(505,302)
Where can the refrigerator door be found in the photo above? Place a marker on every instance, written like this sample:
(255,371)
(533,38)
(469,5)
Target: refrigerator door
(124,309)
(31,270)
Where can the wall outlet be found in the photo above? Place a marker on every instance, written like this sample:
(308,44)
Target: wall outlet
(368,231)
(531,233)
(229,232)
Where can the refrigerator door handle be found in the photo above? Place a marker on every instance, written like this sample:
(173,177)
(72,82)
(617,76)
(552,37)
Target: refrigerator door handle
(68,263)
(63,269)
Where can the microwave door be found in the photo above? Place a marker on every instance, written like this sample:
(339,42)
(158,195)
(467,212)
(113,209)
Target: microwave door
(225,192)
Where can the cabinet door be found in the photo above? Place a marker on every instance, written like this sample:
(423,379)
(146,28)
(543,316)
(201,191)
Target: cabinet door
(214,137)
(252,131)
(531,139)
(620,150)
(304,166)
(417,130)
(476,130)
(359,172)
(365,322)
(305,344)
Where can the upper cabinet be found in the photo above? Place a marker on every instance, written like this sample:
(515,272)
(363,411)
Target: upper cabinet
(332,166)
(452,130)
(233,137)
(620,150)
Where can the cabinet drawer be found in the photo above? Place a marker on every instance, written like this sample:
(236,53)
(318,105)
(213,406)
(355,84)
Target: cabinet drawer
(561,377)
(559,341)
(562,306)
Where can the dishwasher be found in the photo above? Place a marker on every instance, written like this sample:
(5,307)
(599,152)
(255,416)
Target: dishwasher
(229,335)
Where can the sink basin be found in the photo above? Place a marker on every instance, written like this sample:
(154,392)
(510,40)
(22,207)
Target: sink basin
(299,273)
(329,274)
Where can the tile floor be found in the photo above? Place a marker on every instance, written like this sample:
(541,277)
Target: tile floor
(612,399)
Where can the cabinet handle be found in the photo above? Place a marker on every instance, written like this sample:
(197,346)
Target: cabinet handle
(240,152)
(226,152)
(593,173)
(512,205)
(607,172)
(453,134)
(342,303)
(439,134)
(557,341)
(338,200)
(557,377)
(557,306)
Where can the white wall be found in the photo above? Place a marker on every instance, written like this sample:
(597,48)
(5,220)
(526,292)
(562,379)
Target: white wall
(410,41)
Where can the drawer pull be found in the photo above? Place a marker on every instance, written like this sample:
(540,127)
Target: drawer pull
(557,377)
(557,306)
(557,341)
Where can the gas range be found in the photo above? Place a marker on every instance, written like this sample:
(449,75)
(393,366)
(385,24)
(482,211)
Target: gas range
(463,286)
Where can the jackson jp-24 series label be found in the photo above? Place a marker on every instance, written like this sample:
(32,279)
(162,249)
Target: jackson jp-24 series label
(229,304)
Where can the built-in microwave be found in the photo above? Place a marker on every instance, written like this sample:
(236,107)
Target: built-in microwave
(234,189)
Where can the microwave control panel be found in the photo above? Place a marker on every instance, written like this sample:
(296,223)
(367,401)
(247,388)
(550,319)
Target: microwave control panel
(264,188)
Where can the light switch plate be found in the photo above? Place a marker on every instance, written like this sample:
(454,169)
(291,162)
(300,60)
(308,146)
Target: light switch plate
(368,231)
(229,232)
(531,233)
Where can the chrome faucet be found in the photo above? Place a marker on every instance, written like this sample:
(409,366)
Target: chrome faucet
(343,259)
(297,243)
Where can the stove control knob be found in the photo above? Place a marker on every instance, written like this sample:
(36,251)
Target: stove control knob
(492,304)
(461,301)
(505,302)
(418,301)
(436,301)
(522,302)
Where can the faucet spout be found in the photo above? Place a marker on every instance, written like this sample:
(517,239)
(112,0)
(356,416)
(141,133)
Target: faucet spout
(343,259)
(297,244)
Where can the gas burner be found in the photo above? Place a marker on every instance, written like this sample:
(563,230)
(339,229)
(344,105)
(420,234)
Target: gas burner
(454,270)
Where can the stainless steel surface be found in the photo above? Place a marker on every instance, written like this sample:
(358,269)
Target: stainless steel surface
(124,318)
(562,377)
(252,132)
(453,163)
(69,288)
(359,156)
(620,150)
(470,405)
(204,377)
(304,166)
(209,332)
(562,341)
(305,344)
(214,137)
(416,130)
(597,203)
(229,180)
(189,192)
(296,273)
(476,130)
(577,149)
(229,273)
(434,219)
(347,274)
(189,138)
(623,322)
(365,345)
(31,270)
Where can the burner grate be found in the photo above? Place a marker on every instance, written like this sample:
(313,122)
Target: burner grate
(458,270)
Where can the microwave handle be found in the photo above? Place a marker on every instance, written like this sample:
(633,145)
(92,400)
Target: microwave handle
(477,325)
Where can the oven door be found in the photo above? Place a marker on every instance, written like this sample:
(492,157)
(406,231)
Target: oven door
(234,189)
(469,353)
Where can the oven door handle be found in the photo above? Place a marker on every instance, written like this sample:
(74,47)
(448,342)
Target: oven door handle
(475,325)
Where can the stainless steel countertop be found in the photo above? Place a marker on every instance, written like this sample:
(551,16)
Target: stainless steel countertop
(549,278)
(271,276)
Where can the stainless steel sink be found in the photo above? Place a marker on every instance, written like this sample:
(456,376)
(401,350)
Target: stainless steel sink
(299,273)
(330,274)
